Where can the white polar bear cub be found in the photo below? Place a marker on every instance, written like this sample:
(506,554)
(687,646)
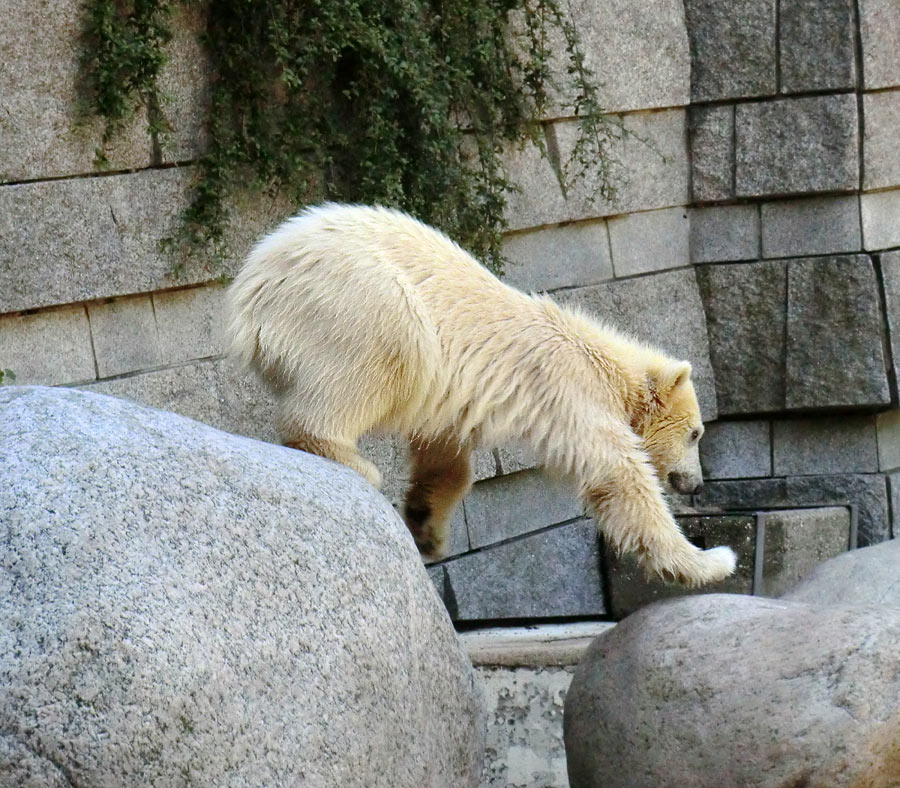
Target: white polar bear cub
(363,319)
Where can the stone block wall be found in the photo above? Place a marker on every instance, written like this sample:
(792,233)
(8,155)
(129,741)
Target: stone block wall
(755,231)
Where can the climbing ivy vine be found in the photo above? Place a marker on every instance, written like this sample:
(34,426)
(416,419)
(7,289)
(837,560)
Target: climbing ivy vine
(408,103)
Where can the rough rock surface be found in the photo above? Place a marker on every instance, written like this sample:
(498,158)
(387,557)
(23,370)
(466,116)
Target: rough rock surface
(726,690)
(183,607)
(870,576)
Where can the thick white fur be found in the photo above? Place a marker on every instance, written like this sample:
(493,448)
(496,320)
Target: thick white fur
(364,319)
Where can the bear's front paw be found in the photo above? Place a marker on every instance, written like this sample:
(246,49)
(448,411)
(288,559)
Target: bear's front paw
(695,567)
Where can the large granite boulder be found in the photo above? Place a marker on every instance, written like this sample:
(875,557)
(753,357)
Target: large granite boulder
(725,690)
(869,576)
(183,607)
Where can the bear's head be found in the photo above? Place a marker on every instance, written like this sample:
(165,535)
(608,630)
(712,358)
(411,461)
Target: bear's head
(671,426)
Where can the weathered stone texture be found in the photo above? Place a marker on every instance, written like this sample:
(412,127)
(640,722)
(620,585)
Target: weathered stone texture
(642,307)
(881,219)
(552,573)
(48,347)
(827,298)
(816,45)
(681,694)
(552,257)
(861,577)
(189,323)
(736,449)
(712,153)
(817,225)
(888,427)
(881,140)
(124,334)
(724,233)
(732,48)
(796,541)
(745,312)
(880,32)
(511,505)
(889,263)
(846,444)
(649,241)
(790,146)
(174,597)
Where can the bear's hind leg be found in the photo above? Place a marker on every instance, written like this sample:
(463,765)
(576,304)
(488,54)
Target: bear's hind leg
(343,452)
(441,477)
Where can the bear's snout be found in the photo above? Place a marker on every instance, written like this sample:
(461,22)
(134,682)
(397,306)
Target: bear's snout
(685,483)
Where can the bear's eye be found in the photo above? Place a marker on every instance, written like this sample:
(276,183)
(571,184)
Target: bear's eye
(694,436)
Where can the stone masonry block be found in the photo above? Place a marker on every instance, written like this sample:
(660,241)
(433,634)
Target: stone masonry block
(796,541)
(724,233)
(644,58)
(89,238)
(508,506)
(189,323)
(832,297)
(894,493)
(630,589)
(124,332)
(880,33)
(649,241)
(790,146)
(888,426)
(516,458)
(880,219)
(881,141)
(552,257)
(890,278)
(817,42)
(43,134)
(732,48)
(550,574)
(643,308)
(817,225)
(846,444)
(745,314)
(736,450)
(712,152)
(48,348)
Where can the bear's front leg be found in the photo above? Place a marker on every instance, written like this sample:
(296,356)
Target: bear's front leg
(630,509)
(441,477)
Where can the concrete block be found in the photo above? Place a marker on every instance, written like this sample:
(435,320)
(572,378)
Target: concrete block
(630,588)
(553,257)
(842,444)
(516,458)
(796,541)
(539,199)
(789,146)
(189,323)
(124,332)
(643,58)
(732,48)
(524,744)
(745,315)
(484,464)
(43,133)
(246,405)
(832,297)
(508,506)
(816,45)
(889,264)
(550,574)
(532,645)
(736,450)
(817,225)
(881,140)
(649,241)
(888,428)
(880,219)
(894,493)
(879,22)
(724,233)
(48,348)
(642,307)
(712,153)
(89,238)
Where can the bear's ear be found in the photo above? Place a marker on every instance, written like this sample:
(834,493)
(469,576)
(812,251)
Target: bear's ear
(668,377)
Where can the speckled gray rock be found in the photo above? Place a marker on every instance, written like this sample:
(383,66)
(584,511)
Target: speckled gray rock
(722,690)
(869,576)
(184,607)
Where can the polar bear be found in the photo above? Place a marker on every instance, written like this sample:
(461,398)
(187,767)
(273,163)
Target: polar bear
(364,319)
